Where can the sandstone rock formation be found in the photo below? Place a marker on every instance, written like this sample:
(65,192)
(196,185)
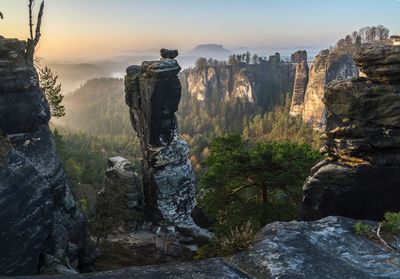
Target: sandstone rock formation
(327,248)
(360,175)
(326,68)
(259,84)
(41,228)
(121,198)
(153,93)
(300,82)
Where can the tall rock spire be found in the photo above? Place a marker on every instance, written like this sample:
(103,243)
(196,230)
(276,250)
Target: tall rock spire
(153,93)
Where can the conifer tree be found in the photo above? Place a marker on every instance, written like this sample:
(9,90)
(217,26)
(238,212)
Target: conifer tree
(52,91)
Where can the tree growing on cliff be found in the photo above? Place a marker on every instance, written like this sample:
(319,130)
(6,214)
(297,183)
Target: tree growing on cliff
(52,90)
(34,36)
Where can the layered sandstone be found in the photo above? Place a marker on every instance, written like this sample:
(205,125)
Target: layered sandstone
(360,174)
(325,68)
(153,93)
(41,229)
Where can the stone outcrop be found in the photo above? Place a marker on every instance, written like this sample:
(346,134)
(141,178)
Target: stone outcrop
(328,248)
(325,68)
(153,93)
(300,82)
(121,195)
(360,174)
(41,228)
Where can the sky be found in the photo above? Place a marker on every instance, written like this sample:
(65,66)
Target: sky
(95,28)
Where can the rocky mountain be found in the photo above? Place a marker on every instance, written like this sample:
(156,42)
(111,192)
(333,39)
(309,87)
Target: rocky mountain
(359,177)
(42,229)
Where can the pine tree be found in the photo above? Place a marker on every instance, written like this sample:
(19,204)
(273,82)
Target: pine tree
(52,91)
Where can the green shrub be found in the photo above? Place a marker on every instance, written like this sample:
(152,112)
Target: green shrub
(362,229)
(391,224)
(237,240)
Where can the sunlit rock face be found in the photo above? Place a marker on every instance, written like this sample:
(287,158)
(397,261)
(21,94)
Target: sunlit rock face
(41,229)
(300,82)
(153,93)
(261,85)
(325,68)
(360,175)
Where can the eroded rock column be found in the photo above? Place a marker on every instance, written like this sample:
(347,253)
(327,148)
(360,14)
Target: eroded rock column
(153,93)
(300,82)
(360,174)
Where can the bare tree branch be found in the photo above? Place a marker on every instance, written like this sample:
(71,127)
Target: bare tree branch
(39,24)
(30,6)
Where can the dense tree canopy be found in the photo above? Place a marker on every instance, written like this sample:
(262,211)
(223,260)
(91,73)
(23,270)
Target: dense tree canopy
(260,182)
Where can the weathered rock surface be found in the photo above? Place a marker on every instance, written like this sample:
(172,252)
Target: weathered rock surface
(153,94)
(121,186)
(326,68)
(41,228)
(327,248)
(360,175)
(300,82)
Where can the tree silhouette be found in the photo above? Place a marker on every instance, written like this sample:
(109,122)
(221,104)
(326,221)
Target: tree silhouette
(34,38)
(1,15)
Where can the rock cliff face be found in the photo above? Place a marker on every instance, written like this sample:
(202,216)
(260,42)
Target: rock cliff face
(311,250)
(254,83)
(41,228)
(360,175)
(300,82)
(326,68)
(153,93)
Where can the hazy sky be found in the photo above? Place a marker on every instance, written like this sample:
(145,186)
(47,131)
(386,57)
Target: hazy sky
(90,28)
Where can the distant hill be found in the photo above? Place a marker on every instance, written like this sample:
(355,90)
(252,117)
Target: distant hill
(210,50)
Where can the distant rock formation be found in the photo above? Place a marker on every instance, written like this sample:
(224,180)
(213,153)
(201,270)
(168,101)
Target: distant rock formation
(261,84)
(41,228)
(326,68)
(328,248)
(153,93)
(300,82)
(360,175)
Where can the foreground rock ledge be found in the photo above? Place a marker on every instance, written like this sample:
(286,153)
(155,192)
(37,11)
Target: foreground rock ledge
(327,248)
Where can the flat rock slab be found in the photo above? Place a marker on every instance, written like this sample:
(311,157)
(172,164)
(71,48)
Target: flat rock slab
(208,269)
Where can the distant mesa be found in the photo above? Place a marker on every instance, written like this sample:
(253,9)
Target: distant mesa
(211,48)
